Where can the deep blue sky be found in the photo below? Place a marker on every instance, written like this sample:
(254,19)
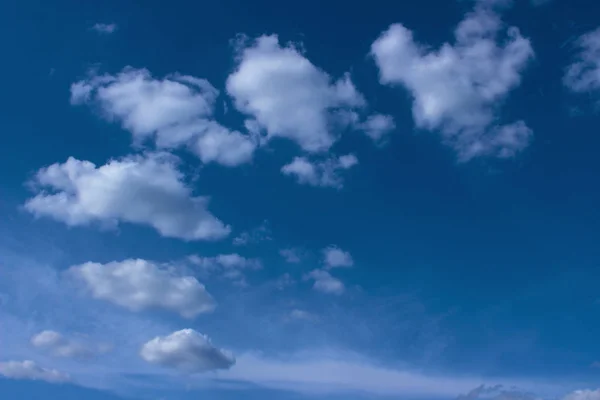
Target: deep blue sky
(484,270)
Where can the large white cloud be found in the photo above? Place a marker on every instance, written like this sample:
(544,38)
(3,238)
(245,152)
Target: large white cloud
(177,110)
(325,173)
(325,282)
(147,190)
(335,257)
(188,351)
(31,371)
(583,75)
(457,88)
(60,346)
(140,285)
(287,96)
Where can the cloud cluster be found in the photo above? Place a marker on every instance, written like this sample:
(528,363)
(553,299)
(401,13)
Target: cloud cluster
(139,285)
(174,111)
(230,266)
(29,370)
(188,351)
(142,189)
(325,282)
(457,88)
(334,257)
(324,173)
(583,75)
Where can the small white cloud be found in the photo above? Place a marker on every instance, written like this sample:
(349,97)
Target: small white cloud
(458,88)
(302,315)
(378,126)
(147,190)
(325,282)
(139,285)
(29,370)
(105,28)
(290,255)
(187,351)
(585,394)
(61,346)
(174,111)
(320,173)
(287,96)
(583,75)
(335,257)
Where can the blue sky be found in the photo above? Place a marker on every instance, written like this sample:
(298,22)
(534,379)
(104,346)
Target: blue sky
(300,201)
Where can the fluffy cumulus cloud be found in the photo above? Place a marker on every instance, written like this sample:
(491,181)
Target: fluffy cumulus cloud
(146,190)
(325,173)
(29,370)
(457,88)
(175,111)
(334,257)
(104,29)
(583,75)
(60,346)
(287,96)
(188,351)
(325,282)
(139,285)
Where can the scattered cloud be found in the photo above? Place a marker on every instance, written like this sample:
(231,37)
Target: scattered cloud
(29,370)
(585,394)
(175,111)
(259,234)
(583,75)
(60,346)
(325,282)
(188,351)
(139,285)
(146,190)
(291,255)
(287,96)
(378,126)
(320,173)
(496,392)
(105,29)
(458,88)
(230,266)
(334,257)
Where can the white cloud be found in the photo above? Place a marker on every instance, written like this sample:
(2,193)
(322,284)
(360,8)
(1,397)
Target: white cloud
(287,96)
(105,28)
(329,374)
(335,257)
(175,111)
(290,255)
(585,394)
(325,282)
(187,351)
(324,173)
(31,371)
(583,75)
(378,126)
(139,285)
(231,266)
(146,190)
(458,88)
(60,346)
